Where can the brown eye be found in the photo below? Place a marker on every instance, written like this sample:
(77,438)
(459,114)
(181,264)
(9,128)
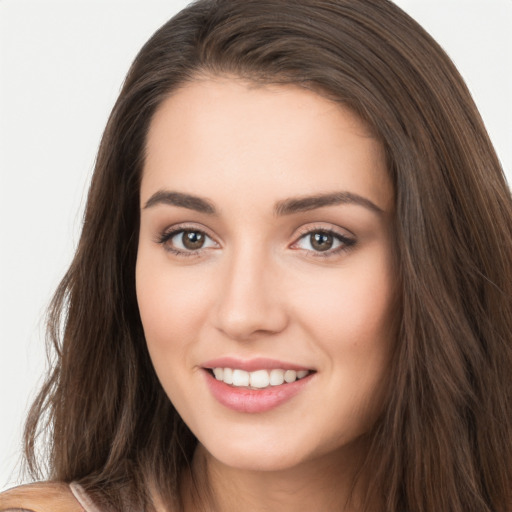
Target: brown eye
(192,240)
(321,241)
(185,242)
(324,242)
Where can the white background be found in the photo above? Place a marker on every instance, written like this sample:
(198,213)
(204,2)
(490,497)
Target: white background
(61,66)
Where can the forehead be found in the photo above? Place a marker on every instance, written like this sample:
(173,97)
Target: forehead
(280,140)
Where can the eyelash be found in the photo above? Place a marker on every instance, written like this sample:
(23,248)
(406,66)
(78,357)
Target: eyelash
(346,243)
(166,236)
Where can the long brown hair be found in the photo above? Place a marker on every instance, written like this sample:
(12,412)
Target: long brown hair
(444,442)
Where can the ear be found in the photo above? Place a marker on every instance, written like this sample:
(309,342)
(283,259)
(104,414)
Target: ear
(40,497)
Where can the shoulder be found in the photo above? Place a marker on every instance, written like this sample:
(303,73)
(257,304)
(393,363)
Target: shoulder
(40,497)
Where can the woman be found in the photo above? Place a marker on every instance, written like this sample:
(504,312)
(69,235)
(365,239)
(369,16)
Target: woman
(293,284)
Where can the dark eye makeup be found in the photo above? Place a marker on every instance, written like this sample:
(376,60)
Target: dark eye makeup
(323,242)
(186,241)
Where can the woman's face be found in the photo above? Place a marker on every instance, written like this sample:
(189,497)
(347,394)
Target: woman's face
(265,278)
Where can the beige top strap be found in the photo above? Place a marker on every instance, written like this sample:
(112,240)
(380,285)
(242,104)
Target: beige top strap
(40,497)
(82,498)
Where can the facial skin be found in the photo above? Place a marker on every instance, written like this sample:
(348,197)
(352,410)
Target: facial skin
(259,287)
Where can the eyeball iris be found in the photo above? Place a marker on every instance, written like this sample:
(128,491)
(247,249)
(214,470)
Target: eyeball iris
(193,239)
(321,241)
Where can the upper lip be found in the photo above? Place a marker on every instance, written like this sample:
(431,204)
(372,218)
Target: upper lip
(251,365)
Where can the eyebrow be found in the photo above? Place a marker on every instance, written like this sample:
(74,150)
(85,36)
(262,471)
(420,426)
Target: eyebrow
(303,204)
(182,200)
(281,208)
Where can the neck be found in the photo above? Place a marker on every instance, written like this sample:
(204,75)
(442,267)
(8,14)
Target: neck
(325,483)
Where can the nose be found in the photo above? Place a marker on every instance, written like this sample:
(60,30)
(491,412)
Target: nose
(250,301)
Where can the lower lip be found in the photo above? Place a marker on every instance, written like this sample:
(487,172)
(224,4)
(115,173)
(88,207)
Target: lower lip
(254,400)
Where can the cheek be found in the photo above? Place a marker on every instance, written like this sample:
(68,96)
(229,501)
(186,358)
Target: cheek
(352,306)
(171,303)
(171,313)
(350,316)
(167,311)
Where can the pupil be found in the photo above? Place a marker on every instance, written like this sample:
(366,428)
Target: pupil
(321,241)
(193,239)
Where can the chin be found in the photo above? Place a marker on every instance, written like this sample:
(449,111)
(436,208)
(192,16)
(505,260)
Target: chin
(256,459)
(263,450)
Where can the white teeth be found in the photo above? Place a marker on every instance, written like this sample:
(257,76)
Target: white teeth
(276,377)
(258,379)
(290,376)
(228,376)
(240,378)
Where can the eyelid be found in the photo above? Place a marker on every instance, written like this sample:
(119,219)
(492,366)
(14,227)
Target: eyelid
(326,227)
(169,232)
(347,238)
(187,226)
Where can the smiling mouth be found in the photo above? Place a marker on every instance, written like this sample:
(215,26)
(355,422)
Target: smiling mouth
(259,379)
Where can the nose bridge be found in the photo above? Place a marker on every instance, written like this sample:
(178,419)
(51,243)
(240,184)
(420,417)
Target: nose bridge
(249,301)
